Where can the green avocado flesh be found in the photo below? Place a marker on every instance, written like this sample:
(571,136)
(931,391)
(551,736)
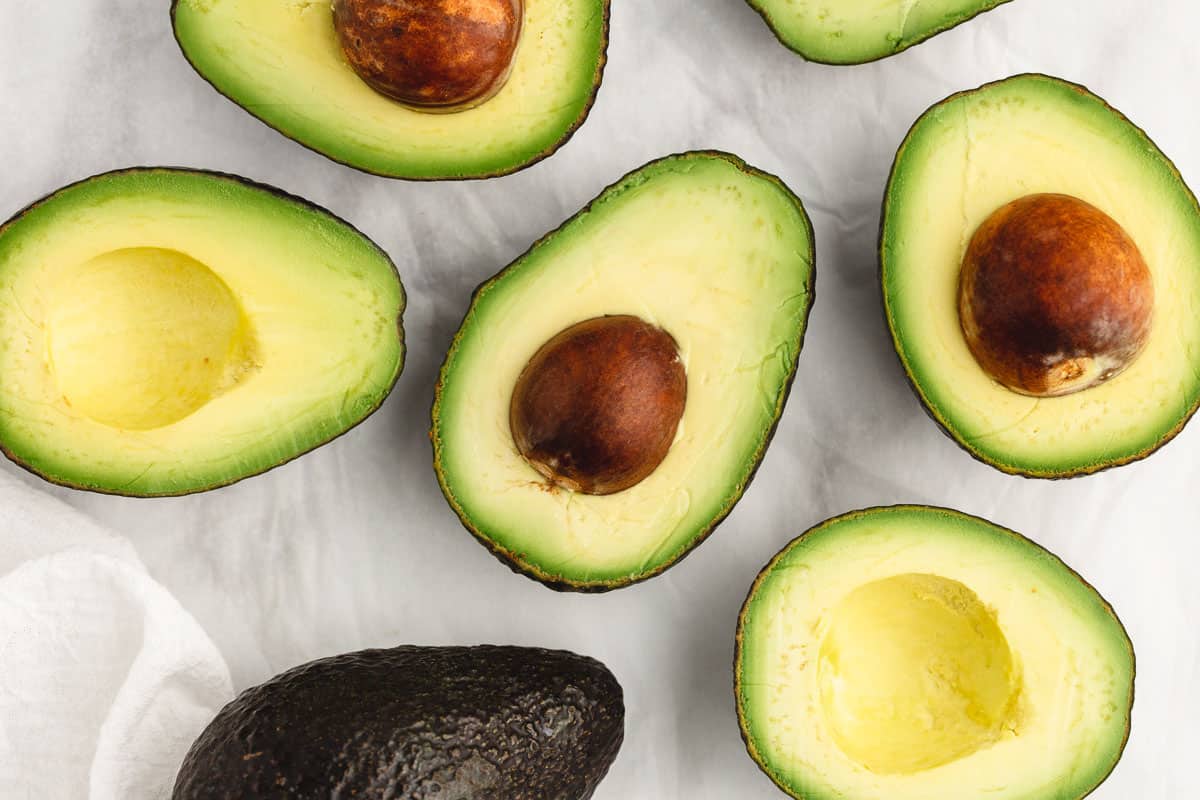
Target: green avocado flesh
(167,331)
(977,151)
(916,653)
(282,62)
(857,31)
(715,253)
(460,723)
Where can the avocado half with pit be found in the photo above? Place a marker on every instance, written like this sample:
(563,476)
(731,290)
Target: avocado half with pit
(1040,262)
(168,331)
(858,31)
(610,394)
(425,91)
(461,723)
(916,653)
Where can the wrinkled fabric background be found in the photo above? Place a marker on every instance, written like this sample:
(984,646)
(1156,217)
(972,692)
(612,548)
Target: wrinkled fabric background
(353,546)
(104,679)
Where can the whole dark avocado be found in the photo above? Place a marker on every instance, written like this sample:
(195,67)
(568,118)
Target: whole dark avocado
(411,723)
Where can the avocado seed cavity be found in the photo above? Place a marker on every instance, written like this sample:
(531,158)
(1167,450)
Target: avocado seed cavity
(596,408)
(1054,296)
(432,55)
(141,338)
(915,672)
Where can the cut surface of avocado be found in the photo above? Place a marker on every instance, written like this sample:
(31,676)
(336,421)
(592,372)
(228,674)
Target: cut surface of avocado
(283,63)
(717,255)
(169,331)
(916,653)
(858,31)
(968,156)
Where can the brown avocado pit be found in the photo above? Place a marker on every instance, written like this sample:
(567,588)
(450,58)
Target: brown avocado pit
(433,55)
(596,408)
(1054,296)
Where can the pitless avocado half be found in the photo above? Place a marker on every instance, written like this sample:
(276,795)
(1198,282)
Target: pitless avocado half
(610,394)
(858,31)
(1040,262)
(916,653)
(468,723)
(424,91)
(169,331)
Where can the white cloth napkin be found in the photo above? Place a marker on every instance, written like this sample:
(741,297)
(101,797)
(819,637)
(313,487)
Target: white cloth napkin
(105,679)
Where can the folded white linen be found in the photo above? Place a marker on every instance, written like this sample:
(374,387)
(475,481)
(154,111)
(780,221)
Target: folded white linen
(105,679)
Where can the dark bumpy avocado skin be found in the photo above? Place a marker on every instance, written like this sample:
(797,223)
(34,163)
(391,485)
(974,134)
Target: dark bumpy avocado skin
(282,195)
(516,561)
(926,406)
(411,723)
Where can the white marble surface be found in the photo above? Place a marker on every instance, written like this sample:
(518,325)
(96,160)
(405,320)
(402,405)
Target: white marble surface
(353,546)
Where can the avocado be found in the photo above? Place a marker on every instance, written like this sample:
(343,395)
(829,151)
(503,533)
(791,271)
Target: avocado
(1039,260)
(424,91)
(610,393)
(916,653)
(858,31)
(167,331)
(459,723)
(447,55)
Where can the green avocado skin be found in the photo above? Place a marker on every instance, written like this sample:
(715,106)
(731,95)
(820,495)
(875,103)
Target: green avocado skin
(415,723)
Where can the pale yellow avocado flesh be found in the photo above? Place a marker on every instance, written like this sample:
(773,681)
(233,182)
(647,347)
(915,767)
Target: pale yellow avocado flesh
(856,31)
(973,154)
(281,61)
(935,683)
(142,337)
(913,653)
(713,252)
(165,331)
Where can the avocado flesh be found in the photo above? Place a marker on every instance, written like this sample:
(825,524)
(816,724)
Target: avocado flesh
(167,331)
(979,150)
(461,723)
(858,31)
(282,62)
(718,255)
(915,653)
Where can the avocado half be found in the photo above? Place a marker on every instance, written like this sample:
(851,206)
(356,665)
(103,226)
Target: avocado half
(717,254)
(282,63)
(917,653)
(859,31)
(971,154)
(168,331)
(469,723)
